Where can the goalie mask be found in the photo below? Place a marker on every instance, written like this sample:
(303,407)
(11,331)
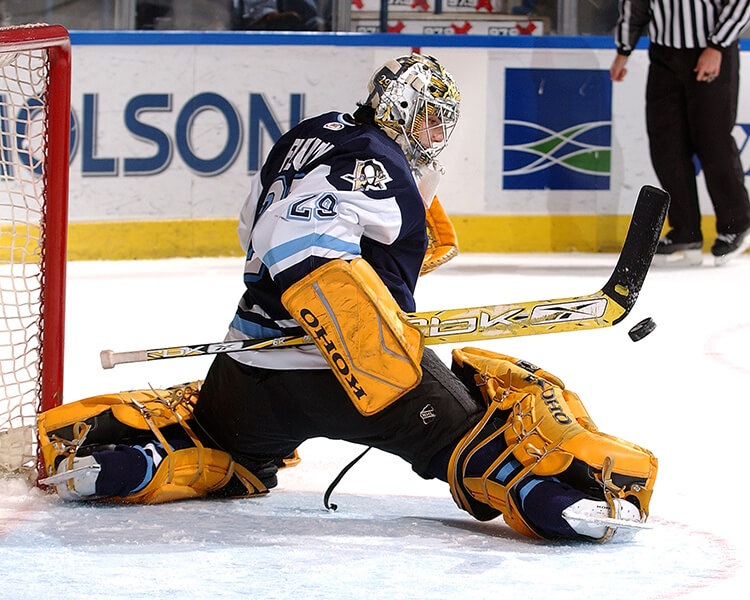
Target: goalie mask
(408,92)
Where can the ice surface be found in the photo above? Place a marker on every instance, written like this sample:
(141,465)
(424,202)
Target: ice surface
(681,392)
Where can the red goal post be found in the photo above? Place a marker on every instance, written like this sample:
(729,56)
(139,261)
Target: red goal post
(35,67)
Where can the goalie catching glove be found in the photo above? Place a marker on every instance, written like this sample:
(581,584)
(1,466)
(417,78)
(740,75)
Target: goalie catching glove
(535,428)
(356,324)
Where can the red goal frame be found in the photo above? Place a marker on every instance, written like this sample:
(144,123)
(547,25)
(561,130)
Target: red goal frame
(54,221)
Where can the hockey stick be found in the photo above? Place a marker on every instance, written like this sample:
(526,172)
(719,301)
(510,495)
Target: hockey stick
(604,308)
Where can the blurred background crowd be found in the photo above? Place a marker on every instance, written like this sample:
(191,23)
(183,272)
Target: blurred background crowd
(562,17)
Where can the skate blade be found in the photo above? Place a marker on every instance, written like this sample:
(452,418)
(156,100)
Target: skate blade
(606,521)
(683,259)
(65,476)
(722,260)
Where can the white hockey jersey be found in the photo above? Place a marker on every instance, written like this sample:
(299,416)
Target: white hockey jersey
(330,188)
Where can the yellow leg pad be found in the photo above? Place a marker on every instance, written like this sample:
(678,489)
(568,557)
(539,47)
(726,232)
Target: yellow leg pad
(529,419)
(191,472)
(191,480)
(124,408)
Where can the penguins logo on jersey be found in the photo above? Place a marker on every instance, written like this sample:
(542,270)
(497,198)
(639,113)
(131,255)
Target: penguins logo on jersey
(368,175)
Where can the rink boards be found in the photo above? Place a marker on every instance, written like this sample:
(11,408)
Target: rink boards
(168,127)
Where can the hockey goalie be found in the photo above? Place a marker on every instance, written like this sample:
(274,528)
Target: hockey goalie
(339,224)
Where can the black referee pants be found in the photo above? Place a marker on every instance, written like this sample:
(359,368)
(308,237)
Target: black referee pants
(685,117)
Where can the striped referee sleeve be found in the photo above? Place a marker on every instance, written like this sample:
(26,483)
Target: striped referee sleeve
(631,25)
(733,18)
(681,23)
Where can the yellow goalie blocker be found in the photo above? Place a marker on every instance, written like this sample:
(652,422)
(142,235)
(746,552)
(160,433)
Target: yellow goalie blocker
(72,431)
(356,324)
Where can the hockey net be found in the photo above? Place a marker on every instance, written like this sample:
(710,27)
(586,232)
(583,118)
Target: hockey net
(34,150)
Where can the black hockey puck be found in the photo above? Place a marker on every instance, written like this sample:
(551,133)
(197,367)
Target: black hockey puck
(642,329)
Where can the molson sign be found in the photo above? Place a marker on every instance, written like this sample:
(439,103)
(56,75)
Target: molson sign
(183,137)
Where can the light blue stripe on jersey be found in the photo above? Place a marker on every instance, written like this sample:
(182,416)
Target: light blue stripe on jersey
(253,330)
(307,242)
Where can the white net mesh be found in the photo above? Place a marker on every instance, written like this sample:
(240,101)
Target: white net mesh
(23,82)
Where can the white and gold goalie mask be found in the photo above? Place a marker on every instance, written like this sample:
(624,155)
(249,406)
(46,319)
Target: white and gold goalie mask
(406,92)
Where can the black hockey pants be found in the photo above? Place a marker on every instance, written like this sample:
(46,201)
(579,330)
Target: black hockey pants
(258,415)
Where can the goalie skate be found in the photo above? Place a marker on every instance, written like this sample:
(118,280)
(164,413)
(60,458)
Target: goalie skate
(77,482)
(594,519)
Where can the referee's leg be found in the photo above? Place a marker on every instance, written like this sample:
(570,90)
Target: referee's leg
(670,142)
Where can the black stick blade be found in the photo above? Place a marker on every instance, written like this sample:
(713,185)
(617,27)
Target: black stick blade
(638,250)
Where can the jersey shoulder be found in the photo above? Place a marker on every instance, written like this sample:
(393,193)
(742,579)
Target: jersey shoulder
(359,157)
(367,160)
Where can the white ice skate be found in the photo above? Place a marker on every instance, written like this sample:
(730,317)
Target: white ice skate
(678,254)
(729,245)
(594,519)
(76,481)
